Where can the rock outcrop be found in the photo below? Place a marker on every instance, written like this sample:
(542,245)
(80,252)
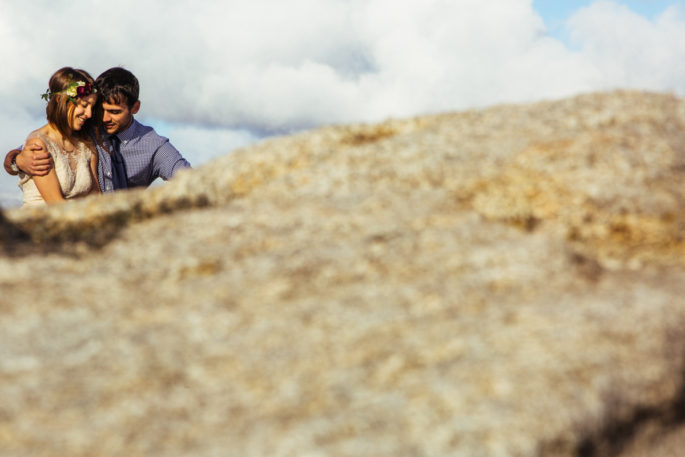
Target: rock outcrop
(498,282)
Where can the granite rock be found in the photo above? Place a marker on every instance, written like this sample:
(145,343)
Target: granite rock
(496,282)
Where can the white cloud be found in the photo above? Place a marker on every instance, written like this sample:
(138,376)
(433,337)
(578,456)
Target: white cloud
(232,67)
(204,144)
(629,50)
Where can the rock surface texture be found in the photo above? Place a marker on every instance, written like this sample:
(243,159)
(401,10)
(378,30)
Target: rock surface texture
(498,282)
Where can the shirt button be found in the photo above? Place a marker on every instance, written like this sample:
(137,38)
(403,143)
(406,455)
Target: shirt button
(109,173)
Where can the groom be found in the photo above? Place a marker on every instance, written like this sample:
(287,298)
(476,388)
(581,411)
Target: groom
(134,155)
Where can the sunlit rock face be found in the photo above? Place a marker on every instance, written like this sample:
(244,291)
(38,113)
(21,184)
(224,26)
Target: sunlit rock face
(500,282)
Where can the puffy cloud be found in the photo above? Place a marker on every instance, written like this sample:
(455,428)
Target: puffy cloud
(236,71)
(629,50)
(202,144)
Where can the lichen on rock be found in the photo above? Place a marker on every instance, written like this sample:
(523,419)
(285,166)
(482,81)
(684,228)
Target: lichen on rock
(503,281)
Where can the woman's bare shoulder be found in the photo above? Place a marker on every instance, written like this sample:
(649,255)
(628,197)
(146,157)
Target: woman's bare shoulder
(44,131)
(41,139)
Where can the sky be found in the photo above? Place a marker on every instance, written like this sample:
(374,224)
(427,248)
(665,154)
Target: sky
(220,74)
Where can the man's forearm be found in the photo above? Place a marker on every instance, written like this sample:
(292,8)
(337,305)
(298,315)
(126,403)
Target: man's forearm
(8,161)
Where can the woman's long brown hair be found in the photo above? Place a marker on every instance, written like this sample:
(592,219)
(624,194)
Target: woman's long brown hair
(60,106)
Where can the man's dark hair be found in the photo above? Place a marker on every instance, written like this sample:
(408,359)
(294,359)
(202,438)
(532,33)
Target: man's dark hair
(118,85)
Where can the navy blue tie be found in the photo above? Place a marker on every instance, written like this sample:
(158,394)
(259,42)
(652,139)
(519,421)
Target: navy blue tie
(118,165)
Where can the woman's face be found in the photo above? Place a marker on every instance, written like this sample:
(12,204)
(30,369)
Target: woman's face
(82,111)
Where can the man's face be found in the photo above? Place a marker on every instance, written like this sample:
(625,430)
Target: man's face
(116,117)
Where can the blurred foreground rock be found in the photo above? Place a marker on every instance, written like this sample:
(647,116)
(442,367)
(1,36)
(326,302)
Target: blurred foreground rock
(500,282)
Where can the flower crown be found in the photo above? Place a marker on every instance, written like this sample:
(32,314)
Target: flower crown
(73,90)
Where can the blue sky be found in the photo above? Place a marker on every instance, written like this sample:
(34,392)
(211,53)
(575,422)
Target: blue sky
(556,13)
(219,74)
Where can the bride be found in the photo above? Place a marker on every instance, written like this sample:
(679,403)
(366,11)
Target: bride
(71,100)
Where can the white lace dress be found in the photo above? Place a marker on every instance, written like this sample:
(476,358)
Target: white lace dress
(72,168)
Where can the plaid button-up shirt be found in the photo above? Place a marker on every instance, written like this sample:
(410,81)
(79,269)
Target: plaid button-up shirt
(147,156)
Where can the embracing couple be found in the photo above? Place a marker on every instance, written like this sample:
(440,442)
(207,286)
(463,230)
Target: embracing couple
(91,142)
